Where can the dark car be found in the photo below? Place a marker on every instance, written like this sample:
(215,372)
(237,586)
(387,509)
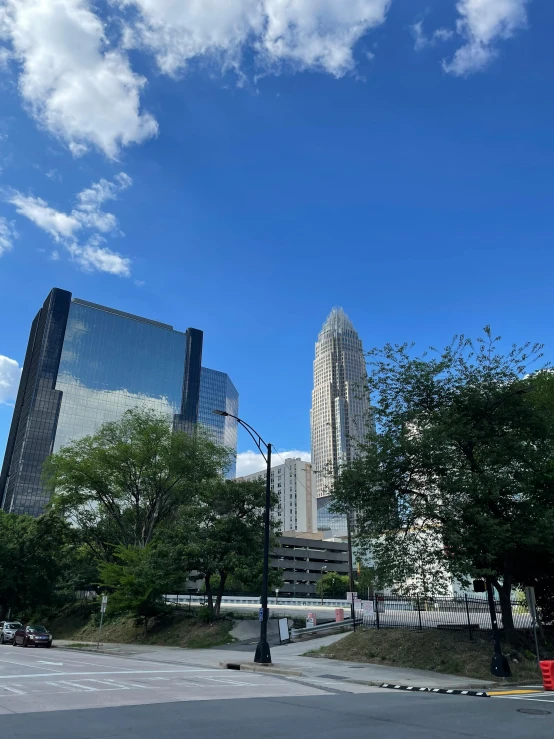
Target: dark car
(32,636)
(8,629)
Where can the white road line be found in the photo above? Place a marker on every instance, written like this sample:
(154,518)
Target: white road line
(21,664)
(226,681)
(108,672)
(14,690)
(78,685)
(537,700)
(156,678)
(110,684)
(43,662)
(70,661)
(133,685)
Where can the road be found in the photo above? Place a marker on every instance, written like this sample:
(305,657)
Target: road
(60,694)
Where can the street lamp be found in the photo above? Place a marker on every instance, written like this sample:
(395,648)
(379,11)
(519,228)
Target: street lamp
(263,654)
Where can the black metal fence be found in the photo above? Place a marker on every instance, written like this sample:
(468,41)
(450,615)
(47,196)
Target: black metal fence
(463,613)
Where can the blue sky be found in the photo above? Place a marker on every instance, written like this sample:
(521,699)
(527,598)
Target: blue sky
(242,166)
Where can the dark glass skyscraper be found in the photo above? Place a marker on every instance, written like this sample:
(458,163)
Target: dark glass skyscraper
(87,364)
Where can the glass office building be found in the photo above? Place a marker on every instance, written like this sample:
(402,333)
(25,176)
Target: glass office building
(87,364)
(331,523)
(218,392)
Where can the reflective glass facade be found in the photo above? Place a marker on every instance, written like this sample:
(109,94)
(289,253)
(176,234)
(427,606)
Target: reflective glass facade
(328,521)
(87,364)
(111,363)
(217,392)
(36,410)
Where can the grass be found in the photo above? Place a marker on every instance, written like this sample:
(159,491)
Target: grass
(175,629)
(441,651)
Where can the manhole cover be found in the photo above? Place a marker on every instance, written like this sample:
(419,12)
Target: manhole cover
(333,677)
(534,711)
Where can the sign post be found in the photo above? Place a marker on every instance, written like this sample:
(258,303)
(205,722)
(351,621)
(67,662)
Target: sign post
(103,606)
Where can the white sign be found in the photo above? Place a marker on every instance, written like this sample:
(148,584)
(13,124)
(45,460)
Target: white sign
(284,633)
(104,604)
(368,608)
(357,605)
(350,597)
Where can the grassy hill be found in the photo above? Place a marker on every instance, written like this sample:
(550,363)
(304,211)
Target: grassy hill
(441,651)
(178,628)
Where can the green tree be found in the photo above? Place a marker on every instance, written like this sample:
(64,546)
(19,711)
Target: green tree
(222,535)
(365,581)
(333,585)
(137,578)
(126,481)
(33,559)
(458,478)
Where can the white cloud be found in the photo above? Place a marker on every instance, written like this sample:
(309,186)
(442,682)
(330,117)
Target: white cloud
(57,224)
(7,235)
(76,84)
(421,40)
(87,215)
(10,372)
(306,34)
(250,462)
(94,258)
(482,23)
(5,57)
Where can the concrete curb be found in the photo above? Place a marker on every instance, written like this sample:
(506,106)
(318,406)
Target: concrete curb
(266,669)
(445,691)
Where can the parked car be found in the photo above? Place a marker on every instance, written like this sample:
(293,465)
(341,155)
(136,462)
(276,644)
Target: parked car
(7,630)
(33,635)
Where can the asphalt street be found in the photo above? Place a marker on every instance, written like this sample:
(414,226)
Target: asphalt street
(63,694)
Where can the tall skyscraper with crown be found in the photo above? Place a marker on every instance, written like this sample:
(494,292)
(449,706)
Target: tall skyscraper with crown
(340,414)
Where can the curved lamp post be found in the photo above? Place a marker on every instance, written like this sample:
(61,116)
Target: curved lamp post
(263,654)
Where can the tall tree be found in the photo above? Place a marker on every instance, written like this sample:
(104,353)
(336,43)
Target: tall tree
(121,484)
(459,476)
(222,533)
(33,559)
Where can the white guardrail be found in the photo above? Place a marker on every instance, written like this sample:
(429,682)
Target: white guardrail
(331,626)
(185,598)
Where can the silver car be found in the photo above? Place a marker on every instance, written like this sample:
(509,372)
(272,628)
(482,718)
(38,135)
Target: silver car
(7,631)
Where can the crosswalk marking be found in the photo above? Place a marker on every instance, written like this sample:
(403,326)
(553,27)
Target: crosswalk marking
(132,685)
(14,690)
(77,685)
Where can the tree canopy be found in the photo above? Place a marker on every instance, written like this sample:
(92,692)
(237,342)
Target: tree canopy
(120,485)
(33,558)
(458,476)
(221,534)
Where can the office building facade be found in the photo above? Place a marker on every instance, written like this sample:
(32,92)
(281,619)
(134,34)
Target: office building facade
(217,392)
(294,485)
(340,415)
(87,364)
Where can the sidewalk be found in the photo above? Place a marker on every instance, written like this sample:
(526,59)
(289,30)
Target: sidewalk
(290,656)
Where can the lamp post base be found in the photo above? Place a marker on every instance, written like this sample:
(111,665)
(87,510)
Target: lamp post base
(263,655)
(500,666)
